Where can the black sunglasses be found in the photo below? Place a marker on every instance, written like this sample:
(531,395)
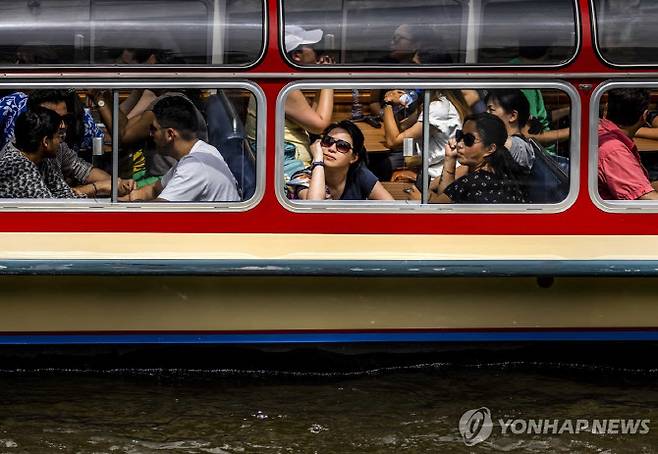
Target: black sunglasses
(341,145)
(468,138)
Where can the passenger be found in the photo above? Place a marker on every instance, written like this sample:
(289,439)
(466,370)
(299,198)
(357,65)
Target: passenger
(200,173)
(404,47)
(511,106)
(127,56)
(81,129)
(534,50)
(29,168)
(303,118)
(447,109)
(338,171)
(621,175)
(84,128)
(406,110)
(494,177)
(134,131)
(413,44)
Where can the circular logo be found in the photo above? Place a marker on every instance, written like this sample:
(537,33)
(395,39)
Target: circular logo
(475,426)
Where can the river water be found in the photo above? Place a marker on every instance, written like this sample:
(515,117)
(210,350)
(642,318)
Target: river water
(415,408)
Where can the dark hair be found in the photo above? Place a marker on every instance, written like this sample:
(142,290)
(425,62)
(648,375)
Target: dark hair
(38,97)
(75,126)
(179,113)
(511,99)
(33,125)
(626,105)
(357,144)
(492,132)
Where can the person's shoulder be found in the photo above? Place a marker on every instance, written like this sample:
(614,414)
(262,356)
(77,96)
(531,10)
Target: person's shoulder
(610,145)
(469,177)
(363,171)
(16,98)
(198,150)
(204,147)
(13,161)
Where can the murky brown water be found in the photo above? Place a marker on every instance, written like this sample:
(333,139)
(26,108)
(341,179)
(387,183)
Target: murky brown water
(408,410)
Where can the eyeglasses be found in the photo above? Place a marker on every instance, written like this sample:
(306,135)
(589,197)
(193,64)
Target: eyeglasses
(468,138)
(341,145)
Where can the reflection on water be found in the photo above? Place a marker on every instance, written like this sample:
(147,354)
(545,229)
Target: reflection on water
(411,409)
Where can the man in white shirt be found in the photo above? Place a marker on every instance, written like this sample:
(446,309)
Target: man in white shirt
(200,174)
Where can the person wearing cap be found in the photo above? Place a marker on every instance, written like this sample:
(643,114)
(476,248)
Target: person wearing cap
(302,117)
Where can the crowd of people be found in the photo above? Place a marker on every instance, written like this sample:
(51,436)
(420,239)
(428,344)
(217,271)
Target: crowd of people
(484,145)
(460,121)
(45,135)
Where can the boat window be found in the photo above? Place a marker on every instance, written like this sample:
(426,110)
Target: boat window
(625,146)
(429,32)
(130,146)
(624,31)
(131,32)
(504,147)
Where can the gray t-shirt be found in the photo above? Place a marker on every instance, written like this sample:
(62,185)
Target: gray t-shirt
(200,176)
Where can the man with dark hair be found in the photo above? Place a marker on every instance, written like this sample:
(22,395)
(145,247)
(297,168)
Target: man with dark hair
(621,174)
(29,169)
(200,173)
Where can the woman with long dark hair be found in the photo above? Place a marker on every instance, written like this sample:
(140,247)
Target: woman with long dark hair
(338,170)
(513,108)
(494,176)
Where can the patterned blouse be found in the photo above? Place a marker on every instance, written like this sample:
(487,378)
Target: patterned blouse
(483,187)
(20,178)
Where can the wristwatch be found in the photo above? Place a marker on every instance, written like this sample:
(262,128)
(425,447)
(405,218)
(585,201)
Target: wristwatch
(100,103)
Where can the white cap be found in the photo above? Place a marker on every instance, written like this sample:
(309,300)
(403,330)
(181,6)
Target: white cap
(297,36)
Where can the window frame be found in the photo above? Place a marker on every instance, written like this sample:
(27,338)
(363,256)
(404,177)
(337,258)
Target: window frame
(389,68)
(611,206)
(596,45)
(401,206)
(110,204)
(157,68)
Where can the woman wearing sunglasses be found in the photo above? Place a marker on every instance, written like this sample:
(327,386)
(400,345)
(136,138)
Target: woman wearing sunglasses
(493,176)
(338,170)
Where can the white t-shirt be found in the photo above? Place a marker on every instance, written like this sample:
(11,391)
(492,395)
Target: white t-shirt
(200,176)
(444,123)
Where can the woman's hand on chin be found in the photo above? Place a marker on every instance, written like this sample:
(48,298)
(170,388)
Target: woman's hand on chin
(316,151)
(393,96)
(451,149)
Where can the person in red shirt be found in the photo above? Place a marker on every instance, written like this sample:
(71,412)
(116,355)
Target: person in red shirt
(621,175)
